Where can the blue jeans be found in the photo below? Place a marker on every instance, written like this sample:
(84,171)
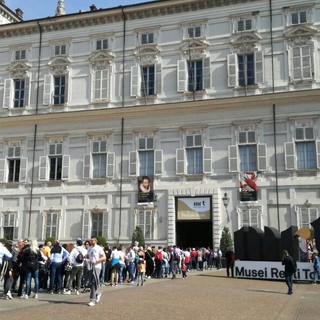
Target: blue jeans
(316,275)
(289,281)
(35,276)
(55,270)
(121,266)
(102,272)
(131,270)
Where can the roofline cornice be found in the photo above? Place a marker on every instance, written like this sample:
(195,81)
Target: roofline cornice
(111,15)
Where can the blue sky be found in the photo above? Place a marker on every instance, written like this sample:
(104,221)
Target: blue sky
(34,9)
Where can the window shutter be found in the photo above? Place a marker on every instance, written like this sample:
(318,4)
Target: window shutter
(47,89)
(26,99)
(313,214)
(135,81)
(43,168)
(181,161)
(306,62)
(207,160)
(182,76)
(105,224)
(296,63)
(158,86)
(105,84)
(232,62)
(3,170)
(16,229)
(8,93)
(290,155)
(318,153)
(259,67)
(87,166)
(158,161)
(110,164)
(86,224)
(66,88)
(23,170)
(133,163)
(233,158)
(65,167)
(206,73)
(262,157)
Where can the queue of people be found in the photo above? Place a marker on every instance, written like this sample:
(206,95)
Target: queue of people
(66,269)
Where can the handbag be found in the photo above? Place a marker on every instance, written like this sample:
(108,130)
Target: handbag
(67,266)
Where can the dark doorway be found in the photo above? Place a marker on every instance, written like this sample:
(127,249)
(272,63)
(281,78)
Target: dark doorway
(194,234)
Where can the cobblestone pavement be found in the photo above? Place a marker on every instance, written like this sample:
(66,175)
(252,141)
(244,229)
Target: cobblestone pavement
(202,296)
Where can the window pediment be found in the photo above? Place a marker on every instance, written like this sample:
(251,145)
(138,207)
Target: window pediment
(147,53)
(19,69)
(59,64)
(104,57)
(195,48)
(300,34)
(245,41)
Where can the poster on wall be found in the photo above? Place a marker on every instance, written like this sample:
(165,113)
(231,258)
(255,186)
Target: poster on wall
(197,208)
(248,188)
(145,189)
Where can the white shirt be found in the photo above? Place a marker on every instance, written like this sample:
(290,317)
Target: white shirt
(95,253)
(74,253)
(121,257)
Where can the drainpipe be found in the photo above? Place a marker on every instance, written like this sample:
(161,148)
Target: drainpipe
(274,116)
(35,129)
(123,52)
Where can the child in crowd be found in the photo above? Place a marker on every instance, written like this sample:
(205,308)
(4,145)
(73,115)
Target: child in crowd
(184,270)
(141,271)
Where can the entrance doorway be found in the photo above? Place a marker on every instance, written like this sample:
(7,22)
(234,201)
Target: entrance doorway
(194,234)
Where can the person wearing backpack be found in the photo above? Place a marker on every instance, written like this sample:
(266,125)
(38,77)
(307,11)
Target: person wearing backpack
(76,259)
(158,259)
(30,265)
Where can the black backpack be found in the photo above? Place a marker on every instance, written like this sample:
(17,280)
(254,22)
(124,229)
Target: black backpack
(79,257)
(32,261)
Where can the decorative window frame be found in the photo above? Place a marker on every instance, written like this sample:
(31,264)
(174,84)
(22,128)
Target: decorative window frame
(44,220)
(100,37)
(60,42)
(140,31)
(253,16)
(185,25)
(16,231)
(289,146)
(101,60)
(309,207)
(87,221)
(309,8)
(250,206)
(144,208)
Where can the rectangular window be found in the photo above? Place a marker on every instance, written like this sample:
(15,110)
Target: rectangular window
(299,17)
(250,218)
(195,75)
(147,38)
(19,88)
(102,44)
(144,221)
(14,170)
(20,54)
(59,90)
(194,154)
(308,215)
(60,50)
(248,158)
(55,160)
(306,148)
(301,62)
(51,225)
(8,225)
(101,84)
(146,156)
(246,70)
(194,32)
(97,223)
(99,159)
(244,24)
(148,81)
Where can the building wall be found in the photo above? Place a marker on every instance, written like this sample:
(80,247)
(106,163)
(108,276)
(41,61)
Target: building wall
(217,113)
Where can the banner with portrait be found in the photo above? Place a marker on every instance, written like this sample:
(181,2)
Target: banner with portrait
(248,188)
(145,189)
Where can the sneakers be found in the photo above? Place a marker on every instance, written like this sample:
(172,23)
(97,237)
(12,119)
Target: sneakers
(36,296)
(9,295)
(91,304)
(24,296)
(76,292)
(98,297)
(67,292)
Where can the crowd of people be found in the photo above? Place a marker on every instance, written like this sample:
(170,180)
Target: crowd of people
(85,266)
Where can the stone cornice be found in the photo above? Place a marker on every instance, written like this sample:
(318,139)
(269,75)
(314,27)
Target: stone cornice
(113,15)
(166,110)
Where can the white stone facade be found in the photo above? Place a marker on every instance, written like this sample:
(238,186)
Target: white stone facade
(206,83)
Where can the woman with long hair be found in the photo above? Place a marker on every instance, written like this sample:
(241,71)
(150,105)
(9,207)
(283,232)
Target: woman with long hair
(30,264)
